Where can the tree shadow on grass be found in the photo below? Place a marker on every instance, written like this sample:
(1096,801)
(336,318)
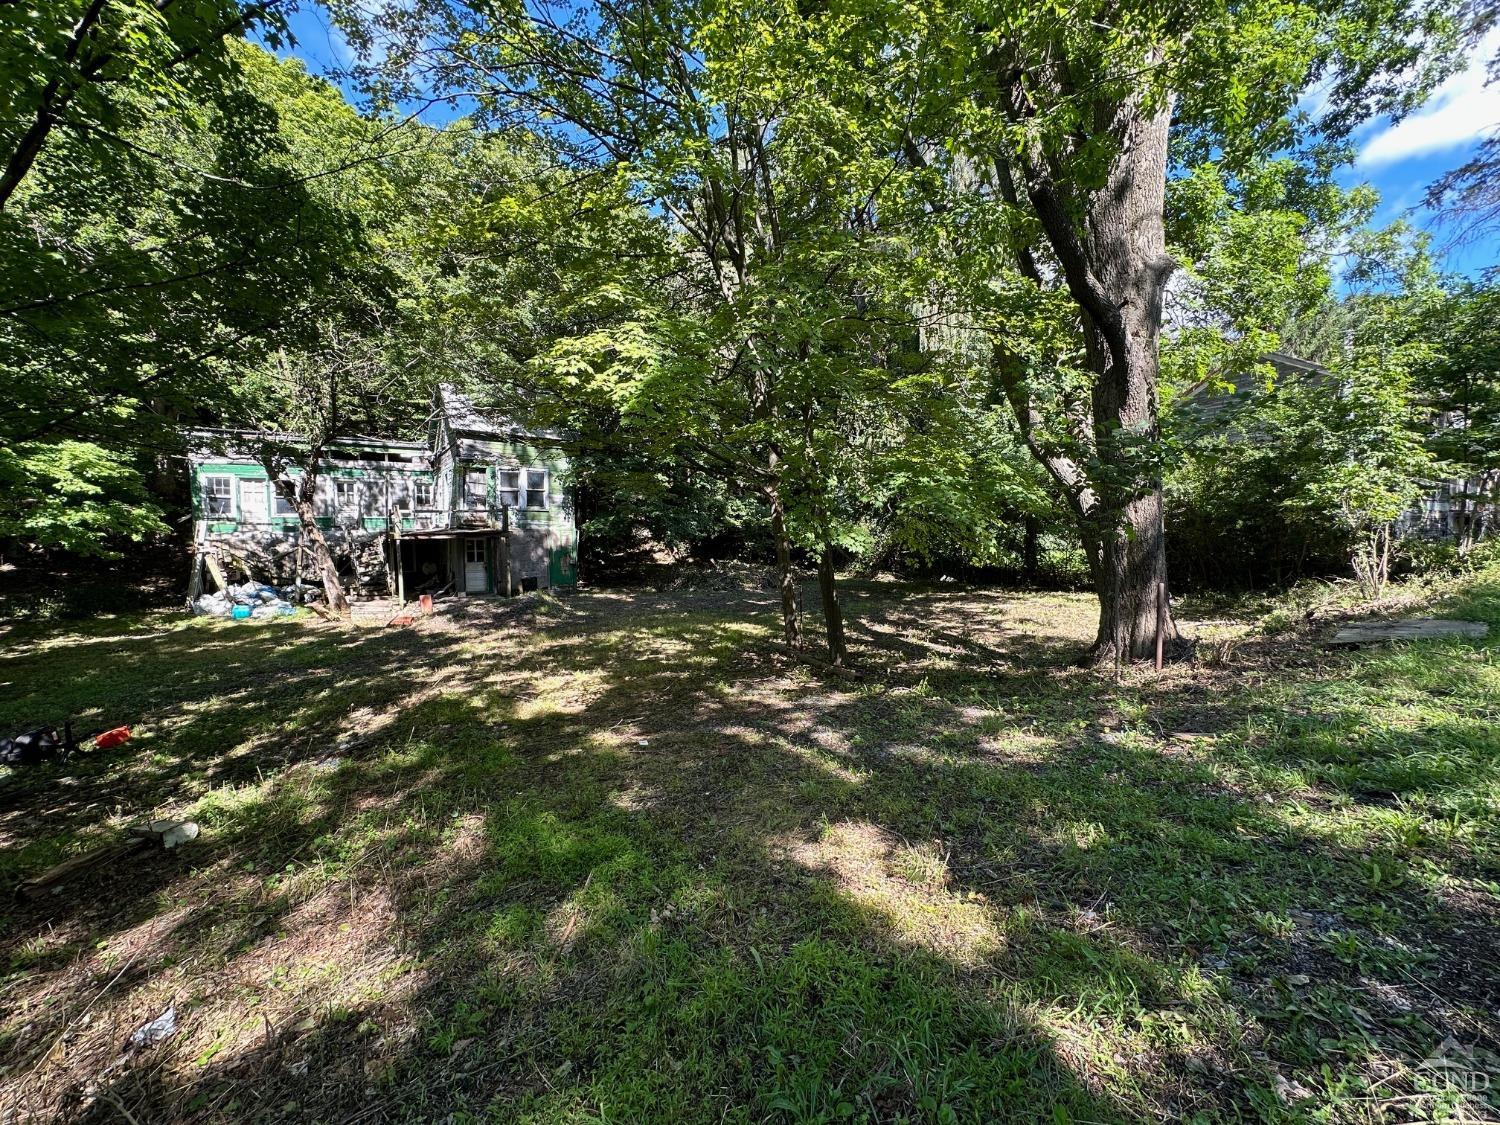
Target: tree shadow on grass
(629,870)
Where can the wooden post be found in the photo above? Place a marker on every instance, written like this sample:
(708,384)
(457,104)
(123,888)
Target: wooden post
(195,580)
(396,546)
(216,572)
(1161,621)
(505,548)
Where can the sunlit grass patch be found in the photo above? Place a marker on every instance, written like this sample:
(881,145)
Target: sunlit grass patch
(626,862)
(906,889)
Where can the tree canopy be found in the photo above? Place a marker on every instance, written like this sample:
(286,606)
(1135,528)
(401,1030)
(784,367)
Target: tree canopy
(856,281)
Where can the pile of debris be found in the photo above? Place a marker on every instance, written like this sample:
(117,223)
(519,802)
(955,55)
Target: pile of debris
(254,600)
(719,574)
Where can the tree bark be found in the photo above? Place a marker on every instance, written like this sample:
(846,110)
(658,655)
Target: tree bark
(1115,265)
(786,581)
(300,494)
(1029,551)
(333,589)
(833,612)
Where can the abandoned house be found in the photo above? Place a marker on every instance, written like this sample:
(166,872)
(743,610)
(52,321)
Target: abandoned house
(477,508)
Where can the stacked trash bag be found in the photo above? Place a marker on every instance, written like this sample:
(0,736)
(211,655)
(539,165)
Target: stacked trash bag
(254,600)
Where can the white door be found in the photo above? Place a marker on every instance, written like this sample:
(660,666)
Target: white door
(253,501)
(474,569)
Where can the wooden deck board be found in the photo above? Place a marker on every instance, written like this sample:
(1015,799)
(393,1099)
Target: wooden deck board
(1411,629)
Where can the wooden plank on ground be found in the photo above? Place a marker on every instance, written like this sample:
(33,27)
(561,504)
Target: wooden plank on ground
(1412,629)
(96,857)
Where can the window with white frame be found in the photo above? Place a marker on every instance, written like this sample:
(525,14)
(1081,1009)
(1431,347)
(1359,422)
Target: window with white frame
(346,494)
(536,489)
(422,494)
(218,495)
(476,489)
(509,491)
(281,507)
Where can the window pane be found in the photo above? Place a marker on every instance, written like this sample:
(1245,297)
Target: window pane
(218,496)
(475,490)
(536,489)
(510,487)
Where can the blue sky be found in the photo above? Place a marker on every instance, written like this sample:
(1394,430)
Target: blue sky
(1400,160)
(319,44)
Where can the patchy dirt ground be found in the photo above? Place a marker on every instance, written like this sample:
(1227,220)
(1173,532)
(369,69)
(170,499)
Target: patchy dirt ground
(612,856)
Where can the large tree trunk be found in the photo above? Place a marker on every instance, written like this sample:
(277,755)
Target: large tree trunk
(833,612)
(1116,266)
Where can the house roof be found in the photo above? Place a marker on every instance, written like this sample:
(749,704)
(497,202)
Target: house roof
(476,436)
(245,445)
(465,419)
(462,416)
(219,435)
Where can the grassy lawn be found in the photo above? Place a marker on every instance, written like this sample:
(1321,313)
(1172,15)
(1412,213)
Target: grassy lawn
(609,857)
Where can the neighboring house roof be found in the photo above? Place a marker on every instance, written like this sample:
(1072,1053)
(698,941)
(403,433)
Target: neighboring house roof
(1216,400)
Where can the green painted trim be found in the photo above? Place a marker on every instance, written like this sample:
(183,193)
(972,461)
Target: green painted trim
(224,526)
(221,469)
(531,454)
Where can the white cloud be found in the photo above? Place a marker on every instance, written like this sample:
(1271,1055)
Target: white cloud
(1461,110)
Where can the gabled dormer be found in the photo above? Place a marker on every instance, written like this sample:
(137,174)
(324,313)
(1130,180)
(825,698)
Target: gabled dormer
(491,471)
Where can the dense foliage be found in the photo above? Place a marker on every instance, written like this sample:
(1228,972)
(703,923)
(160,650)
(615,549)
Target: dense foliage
(824,286)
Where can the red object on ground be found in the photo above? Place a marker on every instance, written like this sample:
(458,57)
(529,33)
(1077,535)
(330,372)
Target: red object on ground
(111,738)
(401,619)
(426,600)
